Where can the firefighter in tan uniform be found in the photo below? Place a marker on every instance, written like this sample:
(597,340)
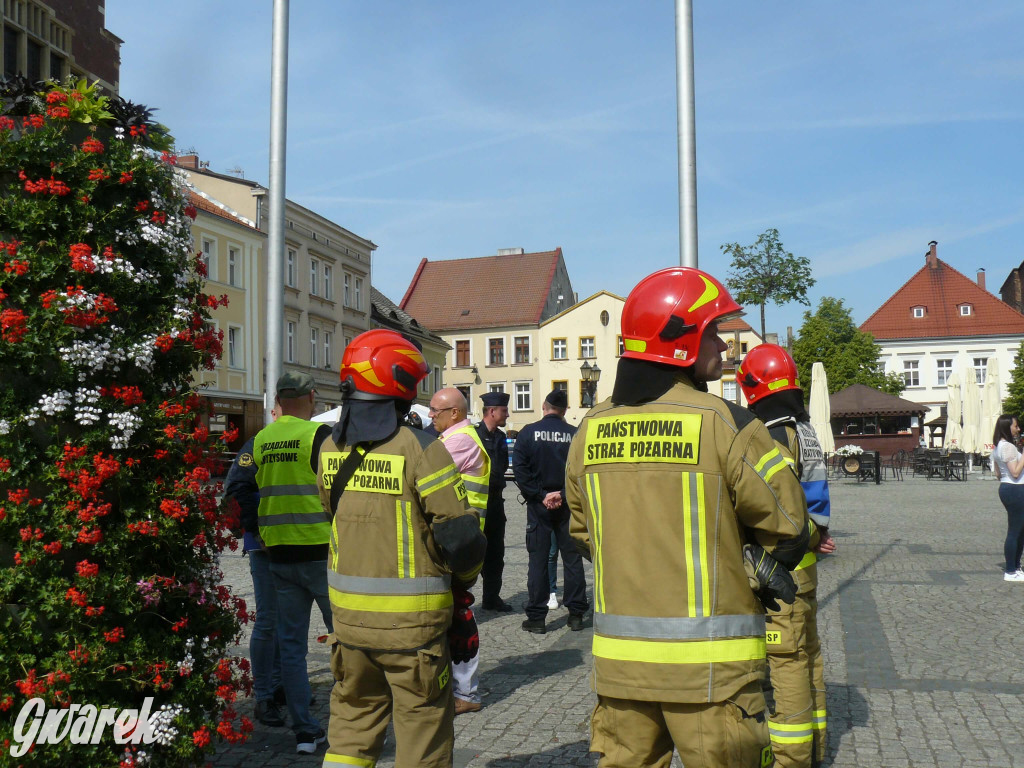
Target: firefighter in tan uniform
(670,490)
(768,378)
(402,535)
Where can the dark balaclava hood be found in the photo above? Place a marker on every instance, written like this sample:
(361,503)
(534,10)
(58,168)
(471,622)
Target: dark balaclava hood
(369,421)
(641,381)
(788,402)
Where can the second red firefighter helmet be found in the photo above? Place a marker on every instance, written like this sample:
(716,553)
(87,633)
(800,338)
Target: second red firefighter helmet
(665,315)
(767,369)
(380,365)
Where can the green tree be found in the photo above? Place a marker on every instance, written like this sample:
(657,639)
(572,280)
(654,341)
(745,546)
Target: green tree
(1014,402)
(766,272)
(849,355)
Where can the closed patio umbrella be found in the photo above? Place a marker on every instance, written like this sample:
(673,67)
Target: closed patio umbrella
(821,411)
(972,414)
(992,405)
(954,433)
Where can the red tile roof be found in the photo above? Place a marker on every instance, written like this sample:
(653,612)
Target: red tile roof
(206,204)
(487,292)
(941,290)
(736,324)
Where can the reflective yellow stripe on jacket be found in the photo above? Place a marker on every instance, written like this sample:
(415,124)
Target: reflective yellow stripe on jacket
(477,486)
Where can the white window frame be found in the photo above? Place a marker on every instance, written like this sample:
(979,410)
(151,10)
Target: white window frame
(943,372)
(359,293)
(289,342)
(314,277)
(490,360)
(564,344)
(290,268)
(209,250)
(314,345)
(328,282)
(729,390)
(917,311)
(965,310)
(981,369)
(234,266)
(327,349)
(235,351)
(523,400)
(911,373)
(348,290)
(515,350)
(593,348)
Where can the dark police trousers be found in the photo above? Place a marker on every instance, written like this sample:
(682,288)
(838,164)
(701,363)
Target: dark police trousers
(540,522)
(494,559)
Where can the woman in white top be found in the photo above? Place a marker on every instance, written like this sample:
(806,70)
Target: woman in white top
(1009,468)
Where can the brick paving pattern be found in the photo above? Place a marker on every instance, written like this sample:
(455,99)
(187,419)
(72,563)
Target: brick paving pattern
(923,645)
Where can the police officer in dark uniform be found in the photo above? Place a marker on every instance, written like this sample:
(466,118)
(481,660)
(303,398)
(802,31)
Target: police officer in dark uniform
(495,416)
(542,449)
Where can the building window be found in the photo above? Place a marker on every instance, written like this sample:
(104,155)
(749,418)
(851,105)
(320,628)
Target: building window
(234,347)
(467,392)
(234,267)
(524,401)
(729,391)
(522,345)
(328,281)
(348,289)
(943,368)
(437,378)
(314,343)
(495,351)
(210,258)
(965,310)
(10,51)
(359,293)
(918,311)
(910,374)
(500,387)
(559,349)
(980,368)
(289,342)
(560,385)
(622,346)
(327,349)
(35,61)
(290,272)
(587,347)
(314,277)
(462,353)
(604,317)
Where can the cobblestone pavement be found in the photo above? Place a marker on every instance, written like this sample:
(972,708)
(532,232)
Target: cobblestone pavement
(923,645)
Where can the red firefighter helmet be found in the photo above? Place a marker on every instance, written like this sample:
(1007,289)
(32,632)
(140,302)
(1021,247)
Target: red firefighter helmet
(380,365)
(767,369)
(665,315)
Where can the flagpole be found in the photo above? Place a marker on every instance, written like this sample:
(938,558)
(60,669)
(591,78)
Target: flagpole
(276,196)
(687,134)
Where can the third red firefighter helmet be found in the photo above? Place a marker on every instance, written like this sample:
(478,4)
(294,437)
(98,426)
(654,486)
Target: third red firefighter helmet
(379,365)
(665,315)
(767,369)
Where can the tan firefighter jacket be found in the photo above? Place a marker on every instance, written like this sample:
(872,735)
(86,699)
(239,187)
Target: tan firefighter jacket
(401,531)
(663,496)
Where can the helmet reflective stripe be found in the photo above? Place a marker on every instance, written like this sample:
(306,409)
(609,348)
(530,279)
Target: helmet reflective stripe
(711,293)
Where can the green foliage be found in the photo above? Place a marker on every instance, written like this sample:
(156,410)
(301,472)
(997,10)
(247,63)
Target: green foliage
(110,528)
(766,272)
(850,356)
(1014,402)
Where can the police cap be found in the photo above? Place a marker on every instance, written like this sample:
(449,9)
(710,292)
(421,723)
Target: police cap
(494,399)
(557,399)
(293,384)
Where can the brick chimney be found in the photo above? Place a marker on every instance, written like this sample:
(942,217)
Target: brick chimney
(189,161)
(981,278)
(930,258)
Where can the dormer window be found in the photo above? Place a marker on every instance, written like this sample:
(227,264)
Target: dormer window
(966,310)
(917,311)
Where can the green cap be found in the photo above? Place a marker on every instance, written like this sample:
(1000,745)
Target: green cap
(293,384)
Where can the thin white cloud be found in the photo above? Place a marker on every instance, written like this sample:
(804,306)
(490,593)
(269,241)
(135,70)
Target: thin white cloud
(870,252)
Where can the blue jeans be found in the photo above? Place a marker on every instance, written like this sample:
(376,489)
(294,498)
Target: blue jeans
(553,564)
(298,585)
(1012,496)
(263,650)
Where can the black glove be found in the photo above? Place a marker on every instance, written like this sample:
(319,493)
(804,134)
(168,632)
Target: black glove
(776,582)
(463,635)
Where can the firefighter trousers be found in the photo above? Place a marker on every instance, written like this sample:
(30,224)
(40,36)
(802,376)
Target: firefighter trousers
(797,726)
(642,734)
(372,686)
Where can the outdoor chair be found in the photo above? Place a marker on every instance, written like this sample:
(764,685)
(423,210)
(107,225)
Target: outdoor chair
(956,466)
(919,462)
(895,464)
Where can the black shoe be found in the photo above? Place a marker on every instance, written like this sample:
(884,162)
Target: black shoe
(267,712)
(535,625)
(575,622)
(498,605)
(279,698)
(306,743)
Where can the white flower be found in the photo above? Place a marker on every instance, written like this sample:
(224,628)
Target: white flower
(55,403)
(5,426)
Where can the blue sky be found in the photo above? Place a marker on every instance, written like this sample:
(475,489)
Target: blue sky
(450,129)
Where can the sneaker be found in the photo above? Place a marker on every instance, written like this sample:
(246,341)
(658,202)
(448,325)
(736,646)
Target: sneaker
(462,706)
(575,622)
(268,713)
(306,743)
(1015,576)
(535,625)
(553,601)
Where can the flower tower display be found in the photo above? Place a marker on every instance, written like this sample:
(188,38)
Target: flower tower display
(115,627)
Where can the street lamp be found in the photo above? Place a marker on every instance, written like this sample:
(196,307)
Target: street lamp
(591,374)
